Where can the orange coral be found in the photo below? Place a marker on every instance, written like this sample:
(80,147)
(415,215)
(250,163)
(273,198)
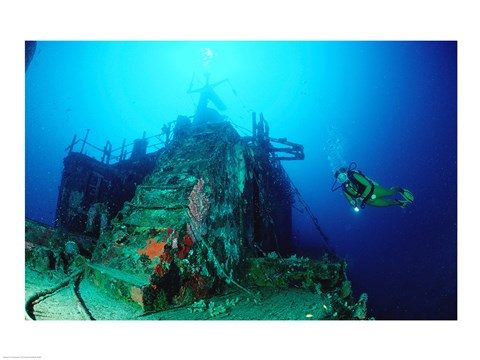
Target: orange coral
(153,248)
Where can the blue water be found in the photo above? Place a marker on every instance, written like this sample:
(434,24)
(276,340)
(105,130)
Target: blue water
(389,106)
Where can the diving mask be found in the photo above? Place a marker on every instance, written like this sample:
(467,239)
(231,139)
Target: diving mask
(342,177)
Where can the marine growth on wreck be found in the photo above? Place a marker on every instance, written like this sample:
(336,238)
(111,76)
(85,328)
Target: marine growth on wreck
(199,229)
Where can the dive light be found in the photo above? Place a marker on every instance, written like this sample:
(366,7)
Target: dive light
(355,206)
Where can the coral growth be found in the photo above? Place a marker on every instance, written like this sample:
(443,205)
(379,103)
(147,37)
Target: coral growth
(184,249)
(164,286)
(165,260)
(153,248)
(197,210)
(360,308)
(199,285)
(136,295)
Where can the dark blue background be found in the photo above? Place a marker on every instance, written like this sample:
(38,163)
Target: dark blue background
(391,105)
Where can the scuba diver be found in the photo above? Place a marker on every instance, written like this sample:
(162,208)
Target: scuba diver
(360,190)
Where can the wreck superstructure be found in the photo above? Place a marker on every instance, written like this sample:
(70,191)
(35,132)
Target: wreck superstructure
(93,191)
(193,210)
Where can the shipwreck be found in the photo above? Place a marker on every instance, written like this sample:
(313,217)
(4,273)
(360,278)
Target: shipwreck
(179,217)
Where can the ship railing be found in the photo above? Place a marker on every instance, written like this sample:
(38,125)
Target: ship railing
(142,146)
